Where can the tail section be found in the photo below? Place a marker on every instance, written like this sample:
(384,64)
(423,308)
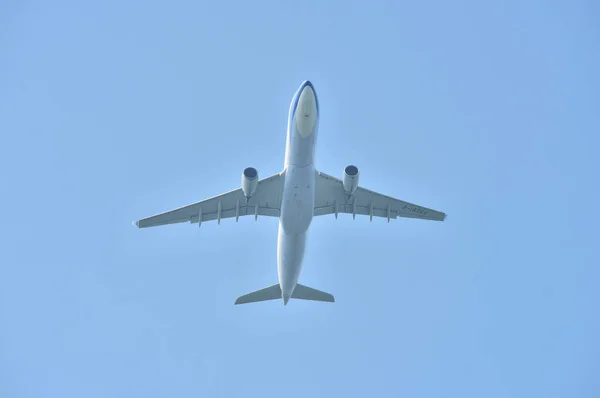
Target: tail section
(302,292)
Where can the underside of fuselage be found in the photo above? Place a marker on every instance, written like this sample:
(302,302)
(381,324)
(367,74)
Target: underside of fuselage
(298,195)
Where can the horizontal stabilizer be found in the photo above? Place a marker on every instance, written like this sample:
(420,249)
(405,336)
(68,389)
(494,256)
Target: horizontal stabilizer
(268,293)
(302,292)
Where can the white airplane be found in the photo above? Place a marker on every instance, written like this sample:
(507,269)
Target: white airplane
(295,195)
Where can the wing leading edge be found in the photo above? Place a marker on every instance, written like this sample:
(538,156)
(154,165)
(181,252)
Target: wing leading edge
(266,201)
(331,198)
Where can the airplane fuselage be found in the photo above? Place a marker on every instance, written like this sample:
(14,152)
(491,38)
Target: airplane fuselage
(298,197)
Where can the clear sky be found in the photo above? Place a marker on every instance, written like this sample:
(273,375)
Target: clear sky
(111,111)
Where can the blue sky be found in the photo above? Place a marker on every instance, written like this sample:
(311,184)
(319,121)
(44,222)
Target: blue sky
(112,111)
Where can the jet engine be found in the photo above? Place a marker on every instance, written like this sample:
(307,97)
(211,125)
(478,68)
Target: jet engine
(249,181)
(351,175)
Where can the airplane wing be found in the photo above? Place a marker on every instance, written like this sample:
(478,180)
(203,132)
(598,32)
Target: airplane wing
(331,198)
(266,201)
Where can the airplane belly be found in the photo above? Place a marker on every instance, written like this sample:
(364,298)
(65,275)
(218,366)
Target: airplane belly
(290,254)
(298,202)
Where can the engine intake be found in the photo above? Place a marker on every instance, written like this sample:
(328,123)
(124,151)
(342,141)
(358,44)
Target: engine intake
(249,181)
(351,175)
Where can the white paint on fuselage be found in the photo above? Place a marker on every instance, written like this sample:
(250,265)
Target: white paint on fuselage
(298,198)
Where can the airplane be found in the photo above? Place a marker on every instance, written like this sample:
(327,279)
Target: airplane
(295,195)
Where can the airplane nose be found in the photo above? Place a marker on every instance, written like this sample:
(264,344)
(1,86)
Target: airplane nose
(307,101)
(306,112)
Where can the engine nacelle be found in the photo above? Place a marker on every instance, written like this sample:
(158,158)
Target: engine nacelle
(351,175)
(249,181)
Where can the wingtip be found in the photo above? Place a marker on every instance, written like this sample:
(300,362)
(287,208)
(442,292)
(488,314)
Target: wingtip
(135,223)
